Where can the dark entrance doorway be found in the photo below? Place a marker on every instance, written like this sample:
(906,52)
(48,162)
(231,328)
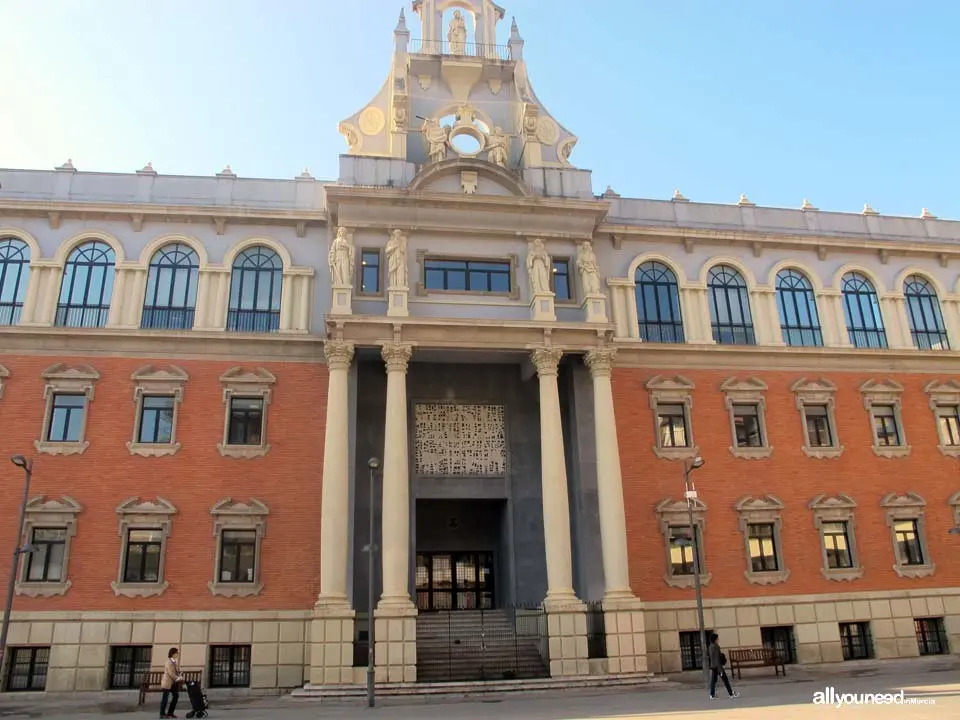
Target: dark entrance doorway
(455,581)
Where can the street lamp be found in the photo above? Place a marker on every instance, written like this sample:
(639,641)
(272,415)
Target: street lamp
(27,466)
(371,549)
(954,530)
(690,493)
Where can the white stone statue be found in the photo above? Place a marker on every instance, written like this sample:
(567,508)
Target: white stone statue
(538,268)
(435,138)
(397,260)
(457,34)
(589,270)
(499,145)
(341,259)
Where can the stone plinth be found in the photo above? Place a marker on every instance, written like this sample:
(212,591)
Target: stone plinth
(625,638)
(567,633)
(395,642)
(342,301)
(331,645)
(595,309)
(397,302)
(542,307)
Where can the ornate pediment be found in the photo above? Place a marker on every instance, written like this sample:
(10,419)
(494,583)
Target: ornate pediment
(81,373)
(814,392)
(896,501)
(228,506)
(763,503)
(669,506)
(154,374)
(943,393)
(748,385)
(66,505)
(239,376)
(832,502)
(463,176)
(135,506)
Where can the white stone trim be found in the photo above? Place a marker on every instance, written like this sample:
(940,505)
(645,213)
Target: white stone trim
(135,514)
(908,506)
(230,515)
(820,392)
(674,514)
(241,383)
(4,374)
(676,390)
(943,394)
(766,509)
(151,381)
(53,513)
(747,392)
(954,503)
(61,378)
(885,393)
(837,508)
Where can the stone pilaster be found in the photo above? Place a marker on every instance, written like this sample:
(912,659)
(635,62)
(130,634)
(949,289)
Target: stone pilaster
(625,636)
(395,640)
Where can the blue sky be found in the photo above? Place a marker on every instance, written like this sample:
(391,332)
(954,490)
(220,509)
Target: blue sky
(840,101)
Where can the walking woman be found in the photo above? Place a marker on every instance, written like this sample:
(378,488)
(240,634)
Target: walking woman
(717,661)
(170,684)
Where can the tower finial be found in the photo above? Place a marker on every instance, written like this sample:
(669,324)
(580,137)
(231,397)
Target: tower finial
(516,42)
(401,23)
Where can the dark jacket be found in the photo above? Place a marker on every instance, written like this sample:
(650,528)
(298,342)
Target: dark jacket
(714,657)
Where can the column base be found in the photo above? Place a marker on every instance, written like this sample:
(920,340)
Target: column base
(342,303)
(595,309)
(395,642)
(542,307)
(567,637)
(625,634)
(397,302)
(331,644)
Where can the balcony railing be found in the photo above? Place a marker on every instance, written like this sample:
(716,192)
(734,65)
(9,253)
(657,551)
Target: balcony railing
(253,321)
(86,316)
(442,47)
(167,318)
(10,313)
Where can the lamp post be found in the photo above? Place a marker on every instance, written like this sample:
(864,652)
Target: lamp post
(27,466)
(371,549)
(690,493)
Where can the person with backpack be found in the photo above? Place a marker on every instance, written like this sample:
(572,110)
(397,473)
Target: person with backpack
(717,662)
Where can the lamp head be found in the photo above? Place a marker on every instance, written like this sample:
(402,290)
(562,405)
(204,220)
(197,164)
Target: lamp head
(373,463)
(697,462)
(954,530)
(20,461)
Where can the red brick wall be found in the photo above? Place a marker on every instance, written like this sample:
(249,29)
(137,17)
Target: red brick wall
(790,475)
(287,480)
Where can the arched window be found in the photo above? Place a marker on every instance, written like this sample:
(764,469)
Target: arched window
(255,291)
(658,304)
(797,305)
(171,288)
(14,272)
(923,313)
(730,315)
(87,286)
(862,311)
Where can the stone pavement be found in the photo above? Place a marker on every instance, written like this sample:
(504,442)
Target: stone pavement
(763,698)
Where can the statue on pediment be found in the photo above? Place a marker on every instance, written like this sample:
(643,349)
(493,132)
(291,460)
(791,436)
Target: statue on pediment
(499,145)
(589,269)
(538,268)
(436,138)
(396,251)
(341,259)
(457,34)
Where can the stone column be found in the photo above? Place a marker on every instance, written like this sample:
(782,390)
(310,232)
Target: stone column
(566,615)
(396,624)
(622,612)
(331,653)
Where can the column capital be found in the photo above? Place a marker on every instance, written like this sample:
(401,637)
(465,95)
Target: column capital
(546,360)
(339,354)
(600,361)
(397,356)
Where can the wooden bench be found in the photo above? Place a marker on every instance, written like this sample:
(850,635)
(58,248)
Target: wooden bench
(748,657)
(151,682)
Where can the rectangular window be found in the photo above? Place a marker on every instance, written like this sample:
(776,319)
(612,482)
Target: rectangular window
(746,423)
(27,668)
(45,563)
(238,555)
(948,420)
(691,655)
(560,279)
(931,636)
(128,665)
(370,272)
(673,426)
(246,421)
(763,548)
(855,640)
(819,432)
(142,561)
(467,275)
(885,426)
(681,551)
(837,544)
(909,551)
(229,666)
(780,639)
(156,420)
(66,418)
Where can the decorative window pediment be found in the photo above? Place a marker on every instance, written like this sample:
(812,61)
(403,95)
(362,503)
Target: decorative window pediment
(816,401)
(157,394)
(4,374)
(907,522)
(246,397)
(945,403)
(68,392)
(764,550)
(671,399)
(943,393)
(954,502)
(238,526)
(882,402)
(819,391)
(833,517)
(746,406)
(676,389)
(45,571)
(143,515)
(674,515)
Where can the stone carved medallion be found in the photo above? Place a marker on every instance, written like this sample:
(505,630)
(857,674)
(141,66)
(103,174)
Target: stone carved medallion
(454,439)
(547,130)
(371,121)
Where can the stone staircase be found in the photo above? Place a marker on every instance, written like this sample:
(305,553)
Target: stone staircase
(469,645)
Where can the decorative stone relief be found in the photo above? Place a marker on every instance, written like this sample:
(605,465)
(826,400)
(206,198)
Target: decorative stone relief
(747,392)
(153,381)
(820,392)
(49,515)
(135,514)
(241,383)
(833,509)
(230,515)
(766,509)
(594,301)
(339,354)
(460,440)
(565,149)
(342,262)
(885,393)
(908,506)
(425,81)
(469,179)
(530,121)
(495,85)
(62,378)
(674,514)
(547,130)
(371,121)
(351,135)
(944,397)
(498,147)
(436,138)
